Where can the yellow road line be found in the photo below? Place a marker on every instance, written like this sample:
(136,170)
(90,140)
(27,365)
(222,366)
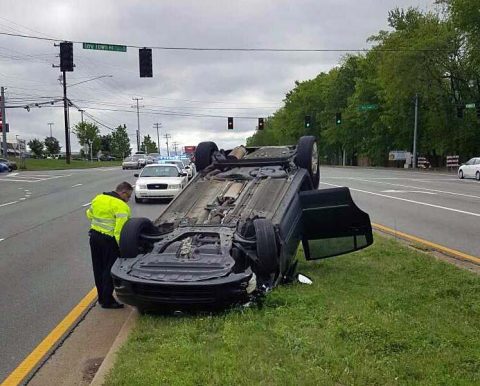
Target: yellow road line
(441,248)
(33,359)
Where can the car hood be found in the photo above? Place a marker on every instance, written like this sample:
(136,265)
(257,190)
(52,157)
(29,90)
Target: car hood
(159,180)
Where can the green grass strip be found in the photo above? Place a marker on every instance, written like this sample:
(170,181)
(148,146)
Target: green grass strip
(32,164)
(387,315)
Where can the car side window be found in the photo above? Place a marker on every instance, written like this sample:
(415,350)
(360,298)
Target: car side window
(470,161)
(477,161)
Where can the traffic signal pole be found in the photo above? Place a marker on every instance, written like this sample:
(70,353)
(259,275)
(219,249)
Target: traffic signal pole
(65,114)
(4,123)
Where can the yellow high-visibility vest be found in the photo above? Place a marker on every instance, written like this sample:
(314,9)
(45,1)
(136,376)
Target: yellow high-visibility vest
(108,214)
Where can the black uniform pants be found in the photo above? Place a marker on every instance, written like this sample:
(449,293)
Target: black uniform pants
(104,253)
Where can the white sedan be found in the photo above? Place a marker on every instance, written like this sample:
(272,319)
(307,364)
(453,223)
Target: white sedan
(159,181)
(470,169)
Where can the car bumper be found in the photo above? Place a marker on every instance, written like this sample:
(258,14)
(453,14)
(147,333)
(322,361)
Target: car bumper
(130,166)
(156,193)
(159,296)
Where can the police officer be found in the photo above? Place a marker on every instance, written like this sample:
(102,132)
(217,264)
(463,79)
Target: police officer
(108,213)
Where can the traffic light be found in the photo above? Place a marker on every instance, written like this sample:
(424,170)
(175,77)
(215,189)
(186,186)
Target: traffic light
(66,56)
(145,57)
(230,123)
(308,121)
(261,124)
(338,118)
(460,111)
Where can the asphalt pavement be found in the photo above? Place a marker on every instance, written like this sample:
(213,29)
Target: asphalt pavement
(435,206)
(45,264)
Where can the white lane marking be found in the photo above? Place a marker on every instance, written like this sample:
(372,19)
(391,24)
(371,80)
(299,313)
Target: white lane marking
(12,174)
(400,178)
(415,187)
(412,201)
(2,239)
(23,198)
(87,204)
(406,191)
(73,186)
(9,203)
(12,180)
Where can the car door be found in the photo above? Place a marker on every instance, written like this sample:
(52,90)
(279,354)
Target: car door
(332,224)
(476,167)
(468,169)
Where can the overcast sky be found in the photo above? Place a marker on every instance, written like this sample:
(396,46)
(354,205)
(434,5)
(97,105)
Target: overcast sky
(245,85)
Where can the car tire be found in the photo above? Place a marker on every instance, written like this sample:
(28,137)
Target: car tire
(267,250)
(138,200)
(131,244)
(307,158)
(203,154)
(460,174)
(477,176)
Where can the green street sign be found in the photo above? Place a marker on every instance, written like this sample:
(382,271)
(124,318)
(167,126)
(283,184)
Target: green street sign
(104,47)
(370,106)
(470,106)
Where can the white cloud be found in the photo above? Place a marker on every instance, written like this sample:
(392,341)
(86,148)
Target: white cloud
(240,84)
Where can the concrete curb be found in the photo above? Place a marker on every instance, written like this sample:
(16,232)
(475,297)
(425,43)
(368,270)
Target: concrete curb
(109,360)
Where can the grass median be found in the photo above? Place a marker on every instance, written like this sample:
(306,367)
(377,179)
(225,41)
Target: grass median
(32,164)
(387,315)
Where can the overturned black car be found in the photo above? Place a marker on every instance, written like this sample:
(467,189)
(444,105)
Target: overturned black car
(233,232)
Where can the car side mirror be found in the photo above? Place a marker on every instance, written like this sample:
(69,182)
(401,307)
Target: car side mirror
(182,174)
(135,175)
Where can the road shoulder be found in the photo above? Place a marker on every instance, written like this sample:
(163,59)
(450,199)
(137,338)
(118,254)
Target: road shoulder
(80,356)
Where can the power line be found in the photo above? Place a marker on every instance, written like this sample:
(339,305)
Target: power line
(245,49)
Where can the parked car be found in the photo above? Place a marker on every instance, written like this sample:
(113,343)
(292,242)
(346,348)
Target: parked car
(11,165)
(470,169)
(133,162)
(232,234)
(159,181)
(4,168)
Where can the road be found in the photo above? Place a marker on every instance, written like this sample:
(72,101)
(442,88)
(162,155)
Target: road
(45,265)
(437,207)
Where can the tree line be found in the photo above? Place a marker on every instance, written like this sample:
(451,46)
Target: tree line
(434,55)
(115,144)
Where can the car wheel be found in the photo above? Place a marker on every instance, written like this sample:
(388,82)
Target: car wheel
(307,158)
(460,174)
(267,251)
(137,200)
(203,154)
(131,243)
(477,176)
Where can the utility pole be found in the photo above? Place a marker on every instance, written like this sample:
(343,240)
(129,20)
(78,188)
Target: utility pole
(50,124)
(4,122)
(65,113)
(414,166)
(175,144)
(157,125)
(167,136)
(138,122)
(81,113)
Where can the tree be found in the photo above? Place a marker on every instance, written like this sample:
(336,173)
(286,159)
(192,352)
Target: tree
(120,144)
(148,145)
(52,145)
(106,143)
(88,135)
(36,146)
